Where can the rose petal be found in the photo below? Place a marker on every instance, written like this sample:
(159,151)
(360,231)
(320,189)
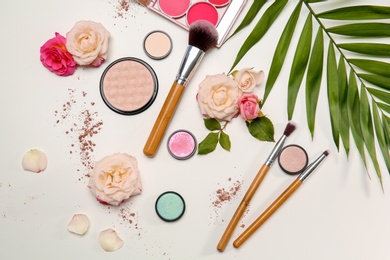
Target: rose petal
(109,240)
(79,224)
(34,161)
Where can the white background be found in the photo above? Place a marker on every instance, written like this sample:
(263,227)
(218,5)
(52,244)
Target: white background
(339,213)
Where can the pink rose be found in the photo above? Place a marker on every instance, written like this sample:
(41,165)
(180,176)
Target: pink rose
(56,58)
(248,105)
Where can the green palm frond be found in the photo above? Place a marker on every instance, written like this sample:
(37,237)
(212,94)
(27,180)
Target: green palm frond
(358,87)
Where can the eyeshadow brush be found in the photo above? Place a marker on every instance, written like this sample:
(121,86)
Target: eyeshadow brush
(280,200)
(202,37)
(253,187)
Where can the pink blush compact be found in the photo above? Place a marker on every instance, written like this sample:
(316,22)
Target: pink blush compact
(182,144)
(221,13)
(293,159)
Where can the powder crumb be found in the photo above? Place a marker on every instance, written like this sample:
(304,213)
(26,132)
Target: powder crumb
(125,8)
(130,219)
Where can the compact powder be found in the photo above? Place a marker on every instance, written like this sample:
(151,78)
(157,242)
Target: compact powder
(157,45)
(176,8)
(219,3)
(170,206)
(202,11)
(128,86)
(293,159)
(182,144)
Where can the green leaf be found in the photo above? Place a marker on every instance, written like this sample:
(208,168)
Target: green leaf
(386,129)
(212,124)
(262,129)
(375,67)
(299,65)
(354,116)
(315,1)
(379,81)
(383,106)
(208,144)
(361,12)
(333,94)
(224,141)
(376,49)
(250,16)
(368,132)
(313,80)
(343,97)
(260,29)
(382,95)
(362,29)
(281,50)
(383,145)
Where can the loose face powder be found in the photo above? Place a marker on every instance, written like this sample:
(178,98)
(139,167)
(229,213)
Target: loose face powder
(170,206)
(293,159)
(157,45)
(182,144)
(128,86)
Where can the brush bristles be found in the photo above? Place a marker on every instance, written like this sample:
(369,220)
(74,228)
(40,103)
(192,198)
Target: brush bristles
(326,153)
(289,129)
(202,35)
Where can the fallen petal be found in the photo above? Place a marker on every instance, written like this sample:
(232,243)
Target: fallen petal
(109,240)
(79,224)
(34,161)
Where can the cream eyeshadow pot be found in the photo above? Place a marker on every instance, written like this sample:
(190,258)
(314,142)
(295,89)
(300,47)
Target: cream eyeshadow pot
(293,159)
(129,86)
(157,45)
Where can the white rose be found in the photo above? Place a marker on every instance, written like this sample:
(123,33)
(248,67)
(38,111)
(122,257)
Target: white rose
(217,97)
(247,79)
(115,178)
(87,41)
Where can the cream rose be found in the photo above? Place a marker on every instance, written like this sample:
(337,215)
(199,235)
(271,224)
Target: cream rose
(115,178)
(217,97)
(87,41)
(247,79)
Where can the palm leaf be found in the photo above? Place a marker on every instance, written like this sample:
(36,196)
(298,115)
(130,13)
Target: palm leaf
(354,108)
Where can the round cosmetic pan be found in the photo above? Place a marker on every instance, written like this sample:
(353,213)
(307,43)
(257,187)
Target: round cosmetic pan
(219,3)
(181,144)
(175,9)
(129,86)
(157,45)
(202,11)
(170,206)
(293,159)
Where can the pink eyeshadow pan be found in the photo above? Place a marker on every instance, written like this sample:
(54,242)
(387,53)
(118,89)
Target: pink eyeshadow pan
(219,3)
(202,11)
(174,8)
(293,159)
(128,86)
(182,144)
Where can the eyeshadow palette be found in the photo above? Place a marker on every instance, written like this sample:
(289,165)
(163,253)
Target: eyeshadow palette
(221,13)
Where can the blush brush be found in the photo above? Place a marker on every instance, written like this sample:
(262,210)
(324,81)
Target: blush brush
(202,37)
(254,186)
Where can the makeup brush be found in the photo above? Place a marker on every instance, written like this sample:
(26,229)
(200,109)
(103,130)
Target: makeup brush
(202,37)
(253,187)
(280,200)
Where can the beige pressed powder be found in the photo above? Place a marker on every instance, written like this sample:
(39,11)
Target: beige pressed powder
(128,86)
(157,45)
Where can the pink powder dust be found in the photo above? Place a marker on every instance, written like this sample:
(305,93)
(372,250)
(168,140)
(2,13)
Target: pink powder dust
(181,144)
(174,9)
(202,11)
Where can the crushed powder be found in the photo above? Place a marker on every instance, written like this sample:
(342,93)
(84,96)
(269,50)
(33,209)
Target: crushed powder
(125,8)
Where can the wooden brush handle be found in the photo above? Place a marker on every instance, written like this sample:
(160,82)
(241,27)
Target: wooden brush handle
(241,208)
(267,213)
(163,119)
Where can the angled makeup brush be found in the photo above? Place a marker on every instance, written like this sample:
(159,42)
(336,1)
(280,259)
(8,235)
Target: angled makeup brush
(280,200)
(202,37)
(253,187)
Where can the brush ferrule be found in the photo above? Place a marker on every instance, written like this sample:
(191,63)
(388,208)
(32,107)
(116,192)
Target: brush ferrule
(189,64)
(276,151)
(304,175)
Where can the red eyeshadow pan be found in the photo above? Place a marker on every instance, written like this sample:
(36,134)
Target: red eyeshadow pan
(174,8)
(202,11)
(219,3)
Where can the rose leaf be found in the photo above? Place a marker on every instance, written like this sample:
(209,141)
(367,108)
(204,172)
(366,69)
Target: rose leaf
(224,141)
(208,144)
(212,124)
(262,129)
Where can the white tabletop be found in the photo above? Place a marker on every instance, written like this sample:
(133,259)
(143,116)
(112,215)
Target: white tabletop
(339,213)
